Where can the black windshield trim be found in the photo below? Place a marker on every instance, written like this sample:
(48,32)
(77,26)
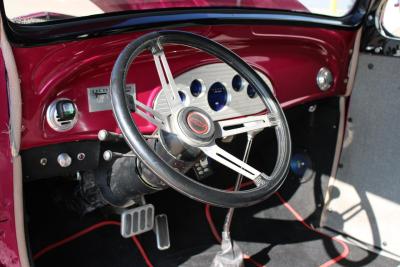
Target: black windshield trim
(121,22)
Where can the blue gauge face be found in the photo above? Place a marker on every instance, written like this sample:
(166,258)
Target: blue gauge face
(251,92)
(183,98)
(196,88)
(237,83)
(217,96)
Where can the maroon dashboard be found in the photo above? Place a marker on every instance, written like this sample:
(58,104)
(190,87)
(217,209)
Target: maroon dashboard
(289,57)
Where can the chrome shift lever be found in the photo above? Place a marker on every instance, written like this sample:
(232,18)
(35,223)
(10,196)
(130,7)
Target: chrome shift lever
(229,215)
(231,254)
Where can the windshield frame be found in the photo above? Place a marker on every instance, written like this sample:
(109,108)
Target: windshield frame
(44,10)
(76,28)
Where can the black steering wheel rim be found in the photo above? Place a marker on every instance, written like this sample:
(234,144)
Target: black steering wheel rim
(164,171)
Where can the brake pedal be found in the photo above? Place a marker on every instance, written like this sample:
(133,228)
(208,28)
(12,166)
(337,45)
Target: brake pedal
(137,220)
(162,232)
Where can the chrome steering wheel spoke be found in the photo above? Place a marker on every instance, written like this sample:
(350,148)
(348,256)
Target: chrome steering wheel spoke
(151,115)
(167,80)
(225,158)
(246,124)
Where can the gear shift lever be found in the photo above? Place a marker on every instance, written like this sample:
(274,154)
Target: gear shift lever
(231,255)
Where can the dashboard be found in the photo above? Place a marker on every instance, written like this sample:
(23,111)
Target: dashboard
(289,59)
(215,88)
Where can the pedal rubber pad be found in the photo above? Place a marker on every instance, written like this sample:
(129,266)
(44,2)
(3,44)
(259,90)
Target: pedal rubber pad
(162,232)
(137,220)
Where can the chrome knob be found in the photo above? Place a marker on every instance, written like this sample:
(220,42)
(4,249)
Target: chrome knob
(107,155)
(324,79)
(102,135)
(64,160)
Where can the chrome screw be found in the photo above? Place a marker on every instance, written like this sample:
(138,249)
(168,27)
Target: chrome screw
(312,108)
(43,161)
(81,156)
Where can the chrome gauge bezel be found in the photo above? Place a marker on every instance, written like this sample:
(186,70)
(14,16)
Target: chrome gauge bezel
(51,116)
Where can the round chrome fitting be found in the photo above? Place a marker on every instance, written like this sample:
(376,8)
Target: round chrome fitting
(324,79)
(64,160)
(65,121)
(102,135)
(107,155)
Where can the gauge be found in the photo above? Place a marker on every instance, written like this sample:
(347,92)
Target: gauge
(217,96)
(237,83)
(183,97)
(251,92)
(196,87)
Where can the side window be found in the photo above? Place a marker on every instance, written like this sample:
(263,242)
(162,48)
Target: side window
(388,19)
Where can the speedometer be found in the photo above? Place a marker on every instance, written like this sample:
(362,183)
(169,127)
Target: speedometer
(217,96)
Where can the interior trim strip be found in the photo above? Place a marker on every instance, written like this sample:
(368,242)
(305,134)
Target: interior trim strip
(120,22)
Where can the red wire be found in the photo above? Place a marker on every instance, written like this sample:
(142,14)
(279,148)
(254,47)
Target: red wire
(86,231)
(214,231)
(216,235)
(298,217)
(142,251)
(210,221)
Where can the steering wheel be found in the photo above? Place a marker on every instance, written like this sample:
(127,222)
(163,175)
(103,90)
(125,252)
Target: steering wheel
(194,126)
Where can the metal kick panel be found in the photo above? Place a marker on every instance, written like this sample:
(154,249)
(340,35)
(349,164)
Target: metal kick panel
(239,103)
(100,99)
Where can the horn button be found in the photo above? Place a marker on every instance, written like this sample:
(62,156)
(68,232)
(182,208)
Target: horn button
(196,124)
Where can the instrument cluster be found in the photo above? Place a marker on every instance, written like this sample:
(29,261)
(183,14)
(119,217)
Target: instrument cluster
(217,89)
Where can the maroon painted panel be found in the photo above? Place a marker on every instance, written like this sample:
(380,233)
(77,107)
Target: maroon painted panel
(8,239)
(289,56)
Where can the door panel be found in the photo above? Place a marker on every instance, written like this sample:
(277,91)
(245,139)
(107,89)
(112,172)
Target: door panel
(365,201)
(8,239)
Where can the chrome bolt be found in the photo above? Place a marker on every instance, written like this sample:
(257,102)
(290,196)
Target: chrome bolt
(81,156)
(312,108)
(378,49)
(43,161)
(107,155)
(102,135)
